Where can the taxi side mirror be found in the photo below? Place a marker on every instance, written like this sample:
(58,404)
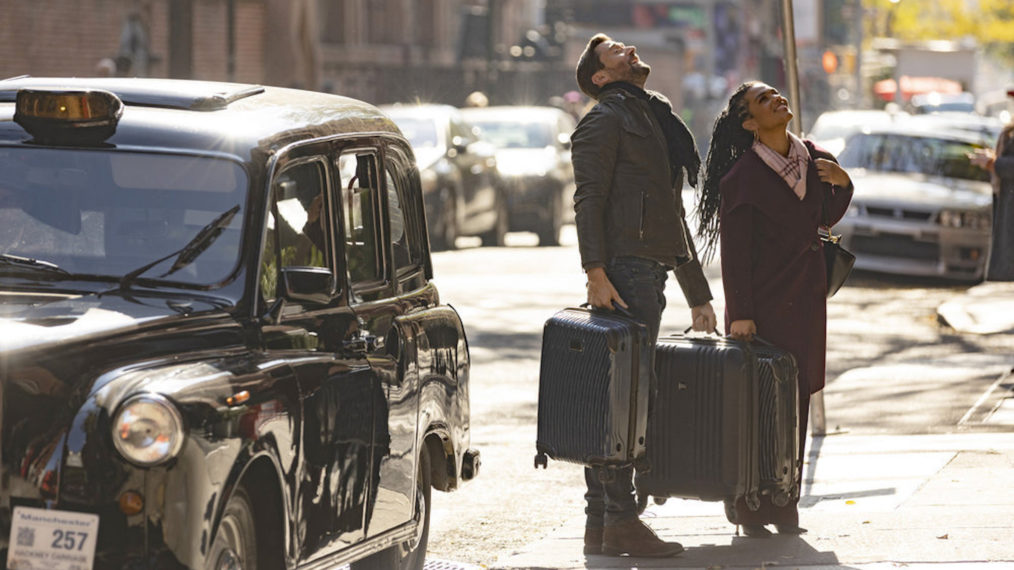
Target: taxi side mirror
(308,284)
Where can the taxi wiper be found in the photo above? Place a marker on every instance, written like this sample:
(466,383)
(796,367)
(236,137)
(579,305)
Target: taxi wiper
(10,259)
(188,253)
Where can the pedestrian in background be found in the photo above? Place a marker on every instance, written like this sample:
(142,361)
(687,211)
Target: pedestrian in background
(763,197)
(1000,163)
(630,152)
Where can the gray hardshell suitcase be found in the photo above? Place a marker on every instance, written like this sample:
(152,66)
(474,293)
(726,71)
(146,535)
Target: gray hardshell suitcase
(723,423)
(594,380)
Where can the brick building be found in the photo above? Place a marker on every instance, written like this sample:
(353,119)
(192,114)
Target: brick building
(378,50)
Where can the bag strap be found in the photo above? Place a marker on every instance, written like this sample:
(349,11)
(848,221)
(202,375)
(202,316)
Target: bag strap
(825,217)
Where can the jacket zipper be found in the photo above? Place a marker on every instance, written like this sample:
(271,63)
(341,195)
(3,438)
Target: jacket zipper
(665,148)
(641,222)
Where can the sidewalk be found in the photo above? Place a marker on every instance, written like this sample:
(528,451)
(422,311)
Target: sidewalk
(987,308)
(869,502)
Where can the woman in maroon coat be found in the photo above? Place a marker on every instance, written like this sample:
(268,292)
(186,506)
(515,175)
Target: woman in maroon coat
(764,194)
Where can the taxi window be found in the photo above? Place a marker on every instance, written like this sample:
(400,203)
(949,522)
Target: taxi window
(92,212)
(360,185)
(297,224)
(405,245)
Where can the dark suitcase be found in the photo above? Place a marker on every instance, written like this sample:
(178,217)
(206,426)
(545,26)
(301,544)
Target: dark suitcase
(593,388)
(723,423)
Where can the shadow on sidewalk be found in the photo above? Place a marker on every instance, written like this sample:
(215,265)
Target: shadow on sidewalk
(754,552)
(792,551)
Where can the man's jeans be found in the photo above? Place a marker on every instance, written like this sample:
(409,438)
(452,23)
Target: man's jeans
(640,283)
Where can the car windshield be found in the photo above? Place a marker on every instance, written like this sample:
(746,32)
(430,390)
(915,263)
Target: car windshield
(103,212)
(933,156)
(421,133)
(516,133)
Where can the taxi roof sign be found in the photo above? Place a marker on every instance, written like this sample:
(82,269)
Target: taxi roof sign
(68,116)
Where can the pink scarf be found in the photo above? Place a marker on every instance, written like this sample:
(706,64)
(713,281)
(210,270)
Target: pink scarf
(791,168)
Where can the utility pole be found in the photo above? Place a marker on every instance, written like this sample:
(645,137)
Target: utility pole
(818,422)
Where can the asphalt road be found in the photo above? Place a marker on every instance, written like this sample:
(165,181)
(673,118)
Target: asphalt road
(892,368)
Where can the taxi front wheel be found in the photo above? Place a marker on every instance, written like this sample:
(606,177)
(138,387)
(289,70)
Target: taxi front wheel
(235,546)
(410,555)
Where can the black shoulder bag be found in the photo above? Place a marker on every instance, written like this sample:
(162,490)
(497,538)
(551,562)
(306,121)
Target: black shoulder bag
(838,259)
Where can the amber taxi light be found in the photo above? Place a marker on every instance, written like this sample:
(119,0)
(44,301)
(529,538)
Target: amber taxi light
(68,116)
(131,503)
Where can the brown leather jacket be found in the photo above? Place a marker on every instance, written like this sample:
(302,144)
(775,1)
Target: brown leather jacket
(626,203)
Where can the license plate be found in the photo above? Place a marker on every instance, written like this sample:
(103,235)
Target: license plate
(53,540)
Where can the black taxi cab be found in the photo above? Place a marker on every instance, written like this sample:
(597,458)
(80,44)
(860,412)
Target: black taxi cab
(220,343)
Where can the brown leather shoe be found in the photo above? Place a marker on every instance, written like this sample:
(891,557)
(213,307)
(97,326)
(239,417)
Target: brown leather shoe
(634,538)
(593,540)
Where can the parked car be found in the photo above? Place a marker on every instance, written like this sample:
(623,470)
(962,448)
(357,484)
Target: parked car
(934,102)
(458,172)
(833,128)
(920,207)
(220,345)
(533,158)
(986,128)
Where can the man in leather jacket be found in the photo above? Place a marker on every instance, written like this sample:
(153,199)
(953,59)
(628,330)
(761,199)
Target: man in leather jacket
(630,152)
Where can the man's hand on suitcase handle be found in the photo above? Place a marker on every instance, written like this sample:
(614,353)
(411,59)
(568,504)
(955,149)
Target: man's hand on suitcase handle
(743,330)
(601,293)
(703,317)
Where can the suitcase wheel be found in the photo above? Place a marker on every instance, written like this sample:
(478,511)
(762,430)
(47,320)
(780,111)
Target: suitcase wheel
(780,498)
(541,461)
(752,501)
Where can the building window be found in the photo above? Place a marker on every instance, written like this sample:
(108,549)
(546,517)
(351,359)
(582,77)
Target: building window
(332,22)
(385,22)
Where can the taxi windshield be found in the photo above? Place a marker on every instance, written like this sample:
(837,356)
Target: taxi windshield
(106,212)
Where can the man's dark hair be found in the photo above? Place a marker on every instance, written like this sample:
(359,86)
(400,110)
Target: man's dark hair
(588,64)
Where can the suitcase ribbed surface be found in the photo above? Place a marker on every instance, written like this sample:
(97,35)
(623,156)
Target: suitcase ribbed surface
(724,421)
(691,452)
(768,415)
(584,357)
(778,428)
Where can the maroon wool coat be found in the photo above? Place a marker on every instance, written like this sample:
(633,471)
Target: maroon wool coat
(772,264)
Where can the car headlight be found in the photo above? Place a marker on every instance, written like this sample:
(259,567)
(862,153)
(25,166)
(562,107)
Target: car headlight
(964,219)
(148,430)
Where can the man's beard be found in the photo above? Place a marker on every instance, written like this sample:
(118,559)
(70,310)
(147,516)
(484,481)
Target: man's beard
(640,70)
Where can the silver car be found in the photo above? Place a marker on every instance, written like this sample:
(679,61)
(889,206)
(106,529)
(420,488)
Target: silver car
(533,159)
(920,206)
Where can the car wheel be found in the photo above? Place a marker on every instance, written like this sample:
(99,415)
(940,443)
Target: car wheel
(495,236)
(549,234)
(235,546)
(409,555)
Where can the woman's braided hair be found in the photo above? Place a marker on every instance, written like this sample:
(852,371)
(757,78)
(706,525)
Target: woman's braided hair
(729,140)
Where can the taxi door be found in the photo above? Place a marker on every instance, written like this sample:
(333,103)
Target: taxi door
(316,332)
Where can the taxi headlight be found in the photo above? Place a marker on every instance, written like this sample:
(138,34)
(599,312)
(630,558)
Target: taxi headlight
(148,430)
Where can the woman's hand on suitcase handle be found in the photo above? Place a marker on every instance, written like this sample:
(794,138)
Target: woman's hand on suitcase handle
(601,293)
(703,318)
(743,330)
